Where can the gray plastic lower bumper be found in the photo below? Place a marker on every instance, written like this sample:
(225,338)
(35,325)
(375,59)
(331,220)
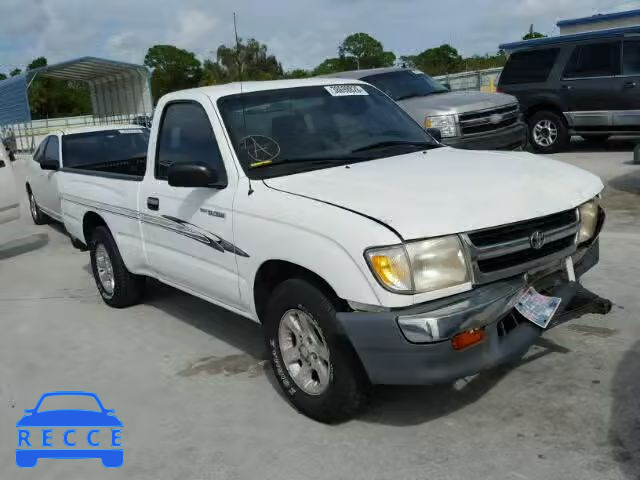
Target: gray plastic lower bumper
(389,358)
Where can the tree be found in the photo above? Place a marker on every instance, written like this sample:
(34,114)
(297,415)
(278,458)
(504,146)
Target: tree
(37,63)
(15,72)
(436,61)
(333,65)
(366,51)
(298,73)
(531,34)
(246,61)
(3,76)
(173,69)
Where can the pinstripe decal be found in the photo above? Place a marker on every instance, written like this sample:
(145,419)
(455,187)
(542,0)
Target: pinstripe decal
(165,222)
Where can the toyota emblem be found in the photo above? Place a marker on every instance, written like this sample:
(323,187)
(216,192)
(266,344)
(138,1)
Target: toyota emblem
(537,240)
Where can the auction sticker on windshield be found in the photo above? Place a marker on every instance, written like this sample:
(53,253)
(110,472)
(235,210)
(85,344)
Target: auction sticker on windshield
(536,308)
(345,90)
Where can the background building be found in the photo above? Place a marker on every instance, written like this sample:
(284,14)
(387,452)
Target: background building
(630,18)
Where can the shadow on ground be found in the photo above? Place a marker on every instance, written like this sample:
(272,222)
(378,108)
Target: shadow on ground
(624,431)
(23,245)
(629,182)
(239,332)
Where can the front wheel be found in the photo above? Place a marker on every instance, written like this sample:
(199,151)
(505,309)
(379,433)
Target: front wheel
(548,132)
(118,287)
(39,218)
(315,366)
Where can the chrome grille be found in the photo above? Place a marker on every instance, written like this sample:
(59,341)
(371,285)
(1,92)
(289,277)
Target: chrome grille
(507,250)
(483,121)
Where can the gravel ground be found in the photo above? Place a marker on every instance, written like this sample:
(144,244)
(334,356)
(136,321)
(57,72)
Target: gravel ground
(190,384)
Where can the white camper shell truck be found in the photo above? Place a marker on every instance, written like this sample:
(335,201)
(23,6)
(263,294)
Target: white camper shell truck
(369,252)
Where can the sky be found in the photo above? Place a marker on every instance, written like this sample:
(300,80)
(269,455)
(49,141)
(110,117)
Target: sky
(301,33)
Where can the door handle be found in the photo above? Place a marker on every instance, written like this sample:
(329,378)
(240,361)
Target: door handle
(567,87)
(631,84)
(153,203)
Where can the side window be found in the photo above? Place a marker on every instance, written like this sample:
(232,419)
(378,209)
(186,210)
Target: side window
(39,153)
(52,150)
(631,57)
(594,60)
(186,136)
(529,66)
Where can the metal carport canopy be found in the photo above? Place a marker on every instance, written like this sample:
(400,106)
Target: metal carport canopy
(116,88)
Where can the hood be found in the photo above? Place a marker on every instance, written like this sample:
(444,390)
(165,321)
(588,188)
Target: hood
(454,102)
(69,418)
(445,191)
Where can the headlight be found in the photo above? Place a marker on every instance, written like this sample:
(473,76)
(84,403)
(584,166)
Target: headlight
(588,220)
(445,123)
(421,266)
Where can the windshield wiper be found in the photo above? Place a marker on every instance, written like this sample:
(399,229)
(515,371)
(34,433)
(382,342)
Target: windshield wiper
(394,143)
(337,160)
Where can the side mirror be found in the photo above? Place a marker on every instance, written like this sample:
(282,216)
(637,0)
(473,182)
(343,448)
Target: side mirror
(49,164)
(435,133)
(193,175)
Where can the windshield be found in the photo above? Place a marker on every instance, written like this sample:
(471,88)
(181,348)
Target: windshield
(279,132)
(405,84)
(98,149)
(69,402)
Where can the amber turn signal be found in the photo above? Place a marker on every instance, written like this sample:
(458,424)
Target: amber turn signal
(466,339)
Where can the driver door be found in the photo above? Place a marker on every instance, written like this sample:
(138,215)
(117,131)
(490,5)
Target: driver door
(187,232)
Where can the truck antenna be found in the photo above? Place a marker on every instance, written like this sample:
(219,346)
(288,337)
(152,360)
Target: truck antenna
(239,65)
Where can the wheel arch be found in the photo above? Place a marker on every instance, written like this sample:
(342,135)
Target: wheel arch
(90,221)
(273,272)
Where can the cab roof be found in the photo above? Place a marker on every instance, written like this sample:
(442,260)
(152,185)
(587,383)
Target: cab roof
(215,92)
(97,128)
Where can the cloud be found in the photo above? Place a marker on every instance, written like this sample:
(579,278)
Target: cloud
(300,33)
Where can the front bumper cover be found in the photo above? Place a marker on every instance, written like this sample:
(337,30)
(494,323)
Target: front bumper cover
(390,358)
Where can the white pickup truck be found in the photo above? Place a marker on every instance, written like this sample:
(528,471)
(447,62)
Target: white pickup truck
(370,253)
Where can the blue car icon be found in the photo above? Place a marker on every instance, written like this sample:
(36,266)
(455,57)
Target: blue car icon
(104,430)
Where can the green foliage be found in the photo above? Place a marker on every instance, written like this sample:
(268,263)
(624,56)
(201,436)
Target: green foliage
(3,76)
(337,64)
(437,61)
(246,61)
(15,72)
(298,73)
(532,35)
(173,69)
(366,51)
(37,63)
(446,59)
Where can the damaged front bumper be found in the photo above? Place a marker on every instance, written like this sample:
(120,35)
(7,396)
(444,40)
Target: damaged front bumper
(413,345)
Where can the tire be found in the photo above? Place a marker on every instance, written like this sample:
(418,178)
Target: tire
(345,383)
(550,126)
(124,288)
(38,216)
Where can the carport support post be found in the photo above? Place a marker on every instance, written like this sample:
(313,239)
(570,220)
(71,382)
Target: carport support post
(636,154)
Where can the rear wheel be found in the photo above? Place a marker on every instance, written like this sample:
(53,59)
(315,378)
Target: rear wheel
(548,132)
(39,218)
(315,366)
(118,287)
